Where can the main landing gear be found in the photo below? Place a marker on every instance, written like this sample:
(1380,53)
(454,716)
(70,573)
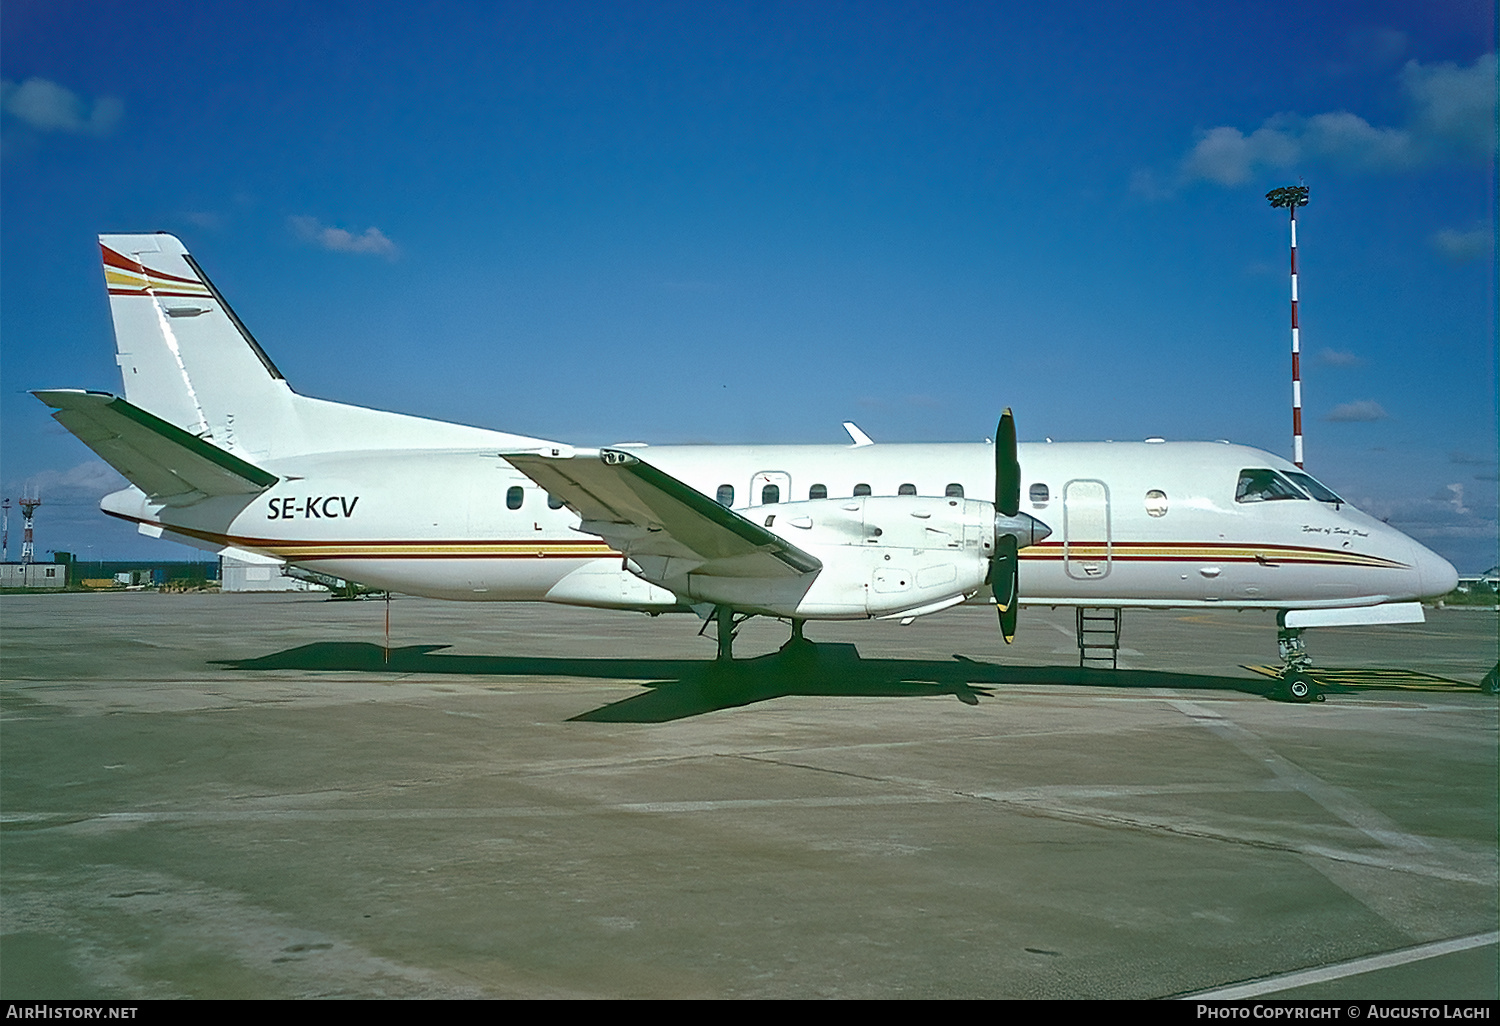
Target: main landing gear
(727,623)
(724,616)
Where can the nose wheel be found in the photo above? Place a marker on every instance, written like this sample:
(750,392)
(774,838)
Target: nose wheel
(1295,686)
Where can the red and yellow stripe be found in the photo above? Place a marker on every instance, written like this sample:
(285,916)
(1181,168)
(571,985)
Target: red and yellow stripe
(126,277)
(307,550)
(1197,552)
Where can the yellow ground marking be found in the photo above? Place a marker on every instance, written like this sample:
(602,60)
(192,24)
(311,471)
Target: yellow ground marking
(1380,679)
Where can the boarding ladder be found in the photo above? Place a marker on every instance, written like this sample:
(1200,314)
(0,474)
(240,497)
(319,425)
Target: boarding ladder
(1099,637)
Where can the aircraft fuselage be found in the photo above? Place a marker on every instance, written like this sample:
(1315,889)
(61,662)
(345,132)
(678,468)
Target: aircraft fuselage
(1140,524)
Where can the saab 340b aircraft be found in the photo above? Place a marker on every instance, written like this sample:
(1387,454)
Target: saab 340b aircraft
(222,454)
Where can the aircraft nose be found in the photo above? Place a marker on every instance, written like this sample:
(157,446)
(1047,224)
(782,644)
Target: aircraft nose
(1436,576)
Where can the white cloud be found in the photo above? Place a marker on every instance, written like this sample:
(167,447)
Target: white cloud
(372,240)
(1461,247)
(93,479)
(1452,117)
(1227,156)
(1444,515)
(1455,497)
(49,107)
(203,219)
(1339,358)
(1363,409)
(1454,105)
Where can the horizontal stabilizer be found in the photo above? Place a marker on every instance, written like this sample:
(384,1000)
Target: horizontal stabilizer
(171,466)
(644,512)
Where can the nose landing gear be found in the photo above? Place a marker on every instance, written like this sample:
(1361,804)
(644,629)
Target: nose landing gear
(1293,684)
(1293,649)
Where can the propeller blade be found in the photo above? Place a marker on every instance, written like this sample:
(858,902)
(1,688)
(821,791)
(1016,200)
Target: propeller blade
(1007,467)
(1005,580)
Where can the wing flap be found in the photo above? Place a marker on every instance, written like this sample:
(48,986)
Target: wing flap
(644,512)
(171,466)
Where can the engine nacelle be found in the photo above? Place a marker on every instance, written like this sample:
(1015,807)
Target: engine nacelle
(881,555)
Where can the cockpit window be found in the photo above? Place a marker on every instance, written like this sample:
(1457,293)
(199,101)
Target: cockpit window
(1264,486)
(1317,489)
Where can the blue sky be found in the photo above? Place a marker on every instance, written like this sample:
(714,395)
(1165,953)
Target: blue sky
(747,222)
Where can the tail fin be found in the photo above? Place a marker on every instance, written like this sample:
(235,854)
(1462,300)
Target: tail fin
(186,358)
(183,353)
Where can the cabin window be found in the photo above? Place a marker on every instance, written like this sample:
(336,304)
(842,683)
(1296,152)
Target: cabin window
(726,495)
(907,489)
(769,494)
(818,492)
(1040,494)
(1156,503)
(513,497)
(1258,485)
(553,502)
(1317,489)
(861,489)
(954,491)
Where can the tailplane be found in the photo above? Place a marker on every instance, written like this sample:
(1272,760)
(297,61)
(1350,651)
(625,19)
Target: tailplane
(168,465)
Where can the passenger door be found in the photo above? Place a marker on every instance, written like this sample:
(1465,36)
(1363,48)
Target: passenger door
(1088,549)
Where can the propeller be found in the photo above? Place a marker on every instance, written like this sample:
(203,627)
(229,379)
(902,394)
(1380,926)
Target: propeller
(1007,467)
(1011,527)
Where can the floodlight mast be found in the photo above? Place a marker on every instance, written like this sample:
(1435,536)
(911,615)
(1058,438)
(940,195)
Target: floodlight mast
(1292,197)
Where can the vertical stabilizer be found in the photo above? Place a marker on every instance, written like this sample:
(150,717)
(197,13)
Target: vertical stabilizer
(183,353)
(186,358)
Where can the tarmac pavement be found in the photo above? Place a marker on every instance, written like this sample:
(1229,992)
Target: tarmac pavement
(230,796)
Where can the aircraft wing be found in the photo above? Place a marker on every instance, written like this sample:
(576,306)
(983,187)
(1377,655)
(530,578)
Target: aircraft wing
(171,466)
(652,517)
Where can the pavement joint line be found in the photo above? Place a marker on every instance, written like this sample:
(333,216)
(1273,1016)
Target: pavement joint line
(1149,825)
(1333,799)
(1340,970)
(936,794)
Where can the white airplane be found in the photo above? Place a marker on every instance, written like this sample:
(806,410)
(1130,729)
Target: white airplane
(222,454)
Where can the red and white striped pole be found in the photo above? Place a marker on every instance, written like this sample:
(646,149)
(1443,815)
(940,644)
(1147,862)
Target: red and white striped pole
(1296,358)
(1292,197)
(28,511)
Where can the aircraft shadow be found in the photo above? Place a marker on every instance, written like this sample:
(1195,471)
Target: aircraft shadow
(680,688)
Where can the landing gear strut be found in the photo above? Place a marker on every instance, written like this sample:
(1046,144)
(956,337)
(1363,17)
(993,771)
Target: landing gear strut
(725,617)
(1295,686)
(797,644)
(1293,650)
